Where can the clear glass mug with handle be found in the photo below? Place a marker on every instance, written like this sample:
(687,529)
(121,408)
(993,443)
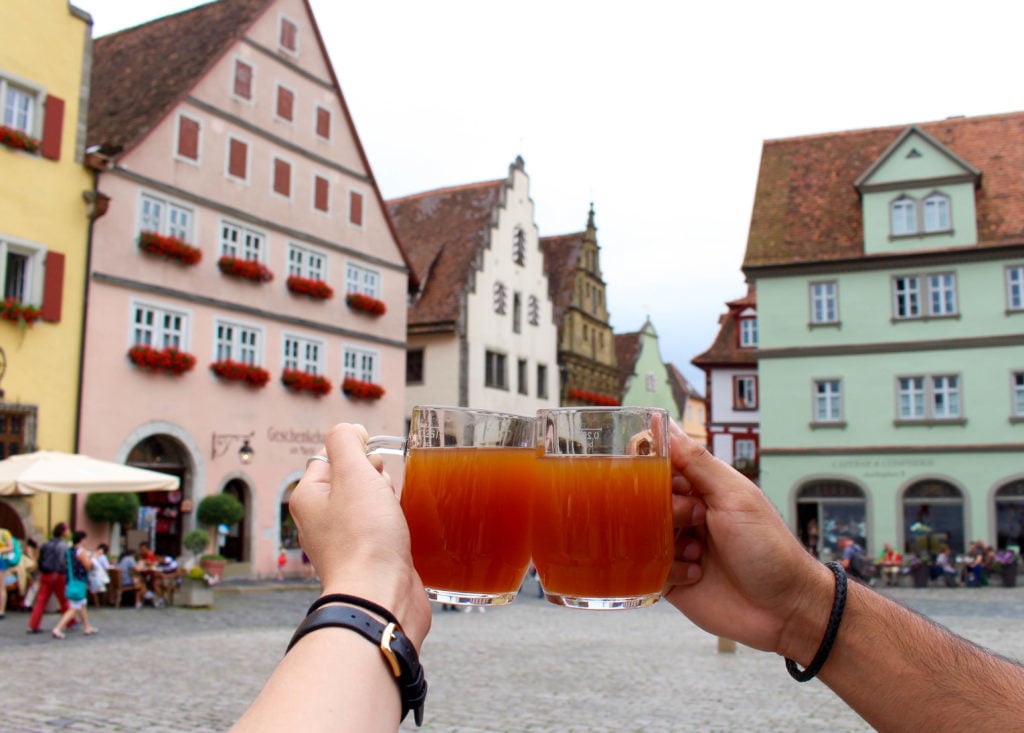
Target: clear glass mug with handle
(466,499)
(602,512)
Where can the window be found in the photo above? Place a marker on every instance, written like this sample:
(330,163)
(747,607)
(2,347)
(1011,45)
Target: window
(236,342)
(282,177)
(1017,386)
(355,208)
(303,354)
(650,383)
(359,364)
(744,393)
(414,366)
(20,107)
(824,303)
(165,217)
(500,299)
(243,80)
(321,194)
(289,532)
(241,242)
(542,381)
(1015,287)
(936,213)
(827,401)
(928,398)
(285,103)
(521,377)
(363,280)
(744,450)
(288,36)
(238,159)
(519,246)
(187,147)
(517,313)
(533,310)
(323,122)
(903,217)
(748,333)
(21,267)
(495,370)
(161,328)
(912,294)
(306,262)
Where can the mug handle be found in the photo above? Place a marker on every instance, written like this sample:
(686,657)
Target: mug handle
(392,445)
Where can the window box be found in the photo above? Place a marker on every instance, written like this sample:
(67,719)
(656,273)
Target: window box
(308,286)
(15,138)
(170,247)
(248,269)
(365,303)
(168,360)
(18,312)
(593,398)
(746,466)
(236,371)
(360,390)
(298,381)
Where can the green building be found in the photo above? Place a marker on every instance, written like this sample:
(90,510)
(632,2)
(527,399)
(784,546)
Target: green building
(889,267)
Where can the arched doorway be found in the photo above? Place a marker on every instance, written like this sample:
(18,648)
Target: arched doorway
(289,534)
(234,547)
(160,518)
(11,520)
(1010,515)
(838,507)
(933,515)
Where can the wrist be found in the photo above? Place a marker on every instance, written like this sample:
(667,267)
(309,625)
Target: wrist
(807,619)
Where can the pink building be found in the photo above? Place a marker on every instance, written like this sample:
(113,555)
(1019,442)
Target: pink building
(222,135)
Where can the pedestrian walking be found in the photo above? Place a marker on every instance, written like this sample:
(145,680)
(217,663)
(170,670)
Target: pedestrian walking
(52,577)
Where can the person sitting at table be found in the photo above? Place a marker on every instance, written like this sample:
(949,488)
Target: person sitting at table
(127,566)
(165,580)
(146,569)
(891,563)
(945,567)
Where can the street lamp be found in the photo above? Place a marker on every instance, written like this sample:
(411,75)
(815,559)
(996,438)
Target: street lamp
(222,442)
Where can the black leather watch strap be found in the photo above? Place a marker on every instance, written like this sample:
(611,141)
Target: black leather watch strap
(398,650)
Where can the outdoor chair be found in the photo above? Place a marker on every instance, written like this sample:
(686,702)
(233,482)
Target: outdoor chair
(116,589)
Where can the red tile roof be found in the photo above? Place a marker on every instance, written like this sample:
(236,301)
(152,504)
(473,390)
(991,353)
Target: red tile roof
(561,257)
(442,232)
(806,208)
(726,351)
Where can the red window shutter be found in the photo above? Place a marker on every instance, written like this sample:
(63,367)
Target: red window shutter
(188,138)
(323,123)
(53,124)
(285,102)
(237,154)
(243,80)
(320,194)
(282,177)
(355,208)
(53,287)
(289,35)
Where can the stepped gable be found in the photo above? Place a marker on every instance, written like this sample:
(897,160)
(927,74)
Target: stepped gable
(726,351)
(806,208)
(155,64)
(441,232)
(561,258)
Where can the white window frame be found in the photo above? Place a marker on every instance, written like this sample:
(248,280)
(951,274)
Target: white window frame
(744,397)
(252,80)
(914,296)
(237,341)
(307,262)
(748,332)
(177,139)
(248,159)
(824,296)
(295,99)
(828,401)
(946,402)
(330,122)
(32,279)
(281,19)
(168,219)
(303,353)
(911,399)
(362,279)
(168,327)
(36,94)
(249,242)
(1017,393)
(929,398)
(903,217)
(1015,288)
(935,213)
(744,449)
(360,363)
(942,294)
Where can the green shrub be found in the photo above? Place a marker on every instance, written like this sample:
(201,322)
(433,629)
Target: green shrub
(196,540)
(119,508)
(219,509)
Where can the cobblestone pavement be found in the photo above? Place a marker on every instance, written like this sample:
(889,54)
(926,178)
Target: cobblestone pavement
(527,667)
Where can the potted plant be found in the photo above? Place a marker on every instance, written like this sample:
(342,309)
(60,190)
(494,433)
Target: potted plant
(212,512)
(1008,562)
(114,509)
(197,588)
(920,569)
(195,541)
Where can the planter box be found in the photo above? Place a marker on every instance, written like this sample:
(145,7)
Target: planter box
(1009,575)
(196,594)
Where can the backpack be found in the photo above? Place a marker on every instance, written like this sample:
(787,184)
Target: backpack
(13,556)
(51,556)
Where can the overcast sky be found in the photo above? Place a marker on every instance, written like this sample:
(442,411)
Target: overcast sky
(655,111)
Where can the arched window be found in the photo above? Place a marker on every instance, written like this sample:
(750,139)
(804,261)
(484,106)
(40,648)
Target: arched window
(933,515)
(1010,515)
(903,216)
(936,213)
(834,508)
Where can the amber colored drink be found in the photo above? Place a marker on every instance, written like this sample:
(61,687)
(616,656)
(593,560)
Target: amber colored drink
(468,511)
(602,525)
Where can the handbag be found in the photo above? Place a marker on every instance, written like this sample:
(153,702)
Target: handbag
(76,589)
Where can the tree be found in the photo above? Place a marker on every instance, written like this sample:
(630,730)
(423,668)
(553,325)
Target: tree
(219,509)
(116,509)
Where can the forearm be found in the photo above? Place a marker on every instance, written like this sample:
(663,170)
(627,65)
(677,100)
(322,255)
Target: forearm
(331,680)
(899,671)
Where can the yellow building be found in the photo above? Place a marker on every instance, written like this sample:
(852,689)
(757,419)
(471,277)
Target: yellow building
(44,229)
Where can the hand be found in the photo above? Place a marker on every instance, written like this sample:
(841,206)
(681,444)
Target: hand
(754,577)
(352,528)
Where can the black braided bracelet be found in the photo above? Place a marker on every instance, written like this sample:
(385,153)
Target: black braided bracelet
(353,601)
(838,605)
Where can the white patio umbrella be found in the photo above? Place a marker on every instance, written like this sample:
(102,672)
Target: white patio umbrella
(72,473)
